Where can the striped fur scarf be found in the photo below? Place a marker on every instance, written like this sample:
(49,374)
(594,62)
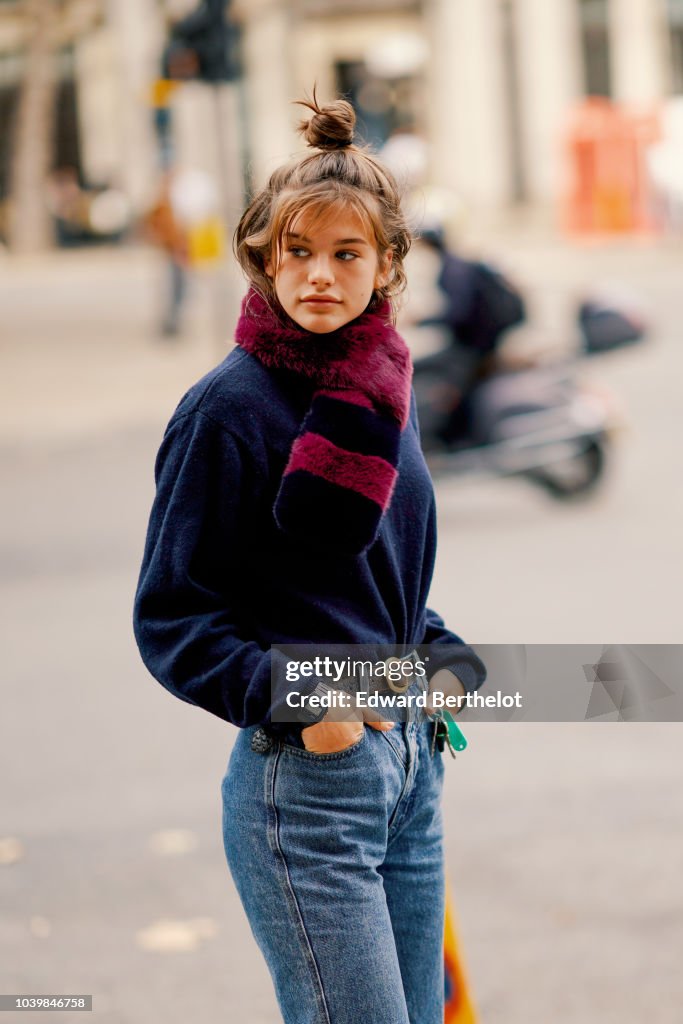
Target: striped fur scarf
(342,468)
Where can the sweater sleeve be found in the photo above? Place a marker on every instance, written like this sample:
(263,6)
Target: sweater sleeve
(446,650)
(186,616)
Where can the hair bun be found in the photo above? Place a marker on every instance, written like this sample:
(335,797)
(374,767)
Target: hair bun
(331,127)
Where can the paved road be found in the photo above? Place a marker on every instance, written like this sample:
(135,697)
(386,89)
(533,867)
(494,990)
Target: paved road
(563,840)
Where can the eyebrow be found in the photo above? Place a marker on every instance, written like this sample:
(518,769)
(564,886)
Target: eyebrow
(339,241)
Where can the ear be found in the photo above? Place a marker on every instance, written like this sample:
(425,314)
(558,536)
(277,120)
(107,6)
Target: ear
(384,269)
(268,266)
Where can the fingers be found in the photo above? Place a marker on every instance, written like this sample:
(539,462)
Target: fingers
(331,737)
(371,718)
(447,685)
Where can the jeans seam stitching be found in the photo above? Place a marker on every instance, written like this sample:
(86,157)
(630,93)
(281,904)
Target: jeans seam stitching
(399,819)
(289,888)
(403,801)
(395,752)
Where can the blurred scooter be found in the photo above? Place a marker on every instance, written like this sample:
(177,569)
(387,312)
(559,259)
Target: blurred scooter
(540,423)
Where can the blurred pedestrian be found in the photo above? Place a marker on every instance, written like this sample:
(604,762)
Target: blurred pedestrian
(294,506)
(163,226)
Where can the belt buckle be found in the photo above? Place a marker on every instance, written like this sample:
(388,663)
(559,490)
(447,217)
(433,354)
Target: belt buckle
(403,685)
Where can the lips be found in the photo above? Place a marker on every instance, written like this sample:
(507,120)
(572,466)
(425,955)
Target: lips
(323,299)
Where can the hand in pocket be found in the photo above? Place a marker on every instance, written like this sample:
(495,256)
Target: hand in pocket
(329,737)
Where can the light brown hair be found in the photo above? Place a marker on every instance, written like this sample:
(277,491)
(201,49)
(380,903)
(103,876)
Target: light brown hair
(337,176)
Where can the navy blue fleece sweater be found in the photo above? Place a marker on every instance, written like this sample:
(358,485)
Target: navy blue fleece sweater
(221,581)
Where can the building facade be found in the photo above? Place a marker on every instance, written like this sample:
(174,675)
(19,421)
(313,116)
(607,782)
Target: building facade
(492,93)
(487,83)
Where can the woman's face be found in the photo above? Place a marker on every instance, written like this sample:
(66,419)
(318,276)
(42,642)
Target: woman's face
(327,273)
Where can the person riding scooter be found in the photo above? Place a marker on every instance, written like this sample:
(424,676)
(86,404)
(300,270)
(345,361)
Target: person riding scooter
(480,306)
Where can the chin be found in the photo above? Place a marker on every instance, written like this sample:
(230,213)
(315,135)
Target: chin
(322,328)
(320,324)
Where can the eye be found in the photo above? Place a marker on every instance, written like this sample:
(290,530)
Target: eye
(297,251)
(346,255)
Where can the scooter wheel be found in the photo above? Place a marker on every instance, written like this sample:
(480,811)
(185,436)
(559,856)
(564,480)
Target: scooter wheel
(573,478)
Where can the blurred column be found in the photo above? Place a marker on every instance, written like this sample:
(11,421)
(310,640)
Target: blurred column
(550,82)
(138,38)
(98,81)
(466,109)
(269,112)
(208,129)
(638,31)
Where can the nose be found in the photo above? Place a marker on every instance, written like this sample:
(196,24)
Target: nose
(320,271)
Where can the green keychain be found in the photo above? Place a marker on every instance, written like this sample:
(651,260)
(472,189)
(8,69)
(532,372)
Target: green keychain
(456,736)
(447,732)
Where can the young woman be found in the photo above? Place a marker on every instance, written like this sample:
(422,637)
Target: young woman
(293,506)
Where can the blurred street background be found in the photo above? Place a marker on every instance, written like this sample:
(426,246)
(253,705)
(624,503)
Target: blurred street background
(544,137)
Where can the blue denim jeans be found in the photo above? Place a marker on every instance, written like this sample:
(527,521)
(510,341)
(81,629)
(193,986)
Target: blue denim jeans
(338,860)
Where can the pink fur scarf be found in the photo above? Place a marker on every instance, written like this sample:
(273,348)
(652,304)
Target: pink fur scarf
(344,460)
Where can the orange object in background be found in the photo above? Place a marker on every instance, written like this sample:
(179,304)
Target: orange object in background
(161,91)
(459,1007)
(609,187)
(206,242)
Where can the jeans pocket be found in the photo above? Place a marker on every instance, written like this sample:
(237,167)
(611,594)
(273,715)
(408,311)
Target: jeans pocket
(335,755)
